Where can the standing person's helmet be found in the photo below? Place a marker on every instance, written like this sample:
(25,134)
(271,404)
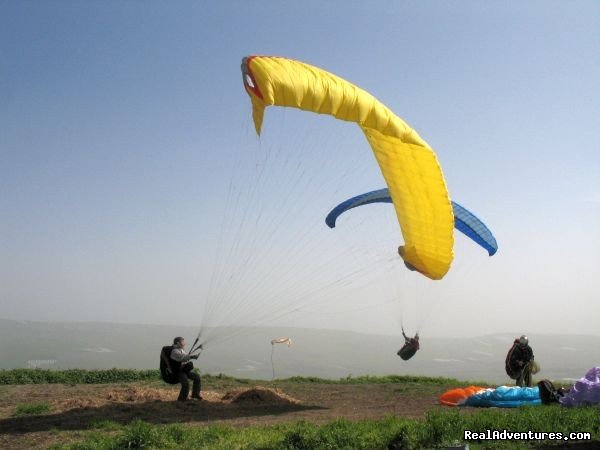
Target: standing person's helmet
(523,340)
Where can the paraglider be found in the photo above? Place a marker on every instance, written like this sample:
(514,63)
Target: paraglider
(408,165)
(464,220)
(176,367)
(410,347)
(519,363)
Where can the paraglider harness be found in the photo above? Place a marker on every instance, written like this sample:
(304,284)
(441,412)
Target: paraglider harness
(410,347)
(169,368)
(549,393)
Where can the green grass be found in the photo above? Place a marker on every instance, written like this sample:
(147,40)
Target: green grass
(31,409)
(75,376)
(409,385)
(370,379)
(437,429)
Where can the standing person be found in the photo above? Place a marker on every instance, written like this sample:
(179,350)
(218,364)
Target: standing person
(182,368)
(519,361)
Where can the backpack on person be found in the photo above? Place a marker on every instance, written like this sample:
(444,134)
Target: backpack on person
(167,373)
(512,370)
(169,369)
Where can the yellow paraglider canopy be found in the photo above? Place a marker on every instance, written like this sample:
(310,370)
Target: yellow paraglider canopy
(409,166)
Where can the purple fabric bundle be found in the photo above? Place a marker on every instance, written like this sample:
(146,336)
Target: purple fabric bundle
(586,391)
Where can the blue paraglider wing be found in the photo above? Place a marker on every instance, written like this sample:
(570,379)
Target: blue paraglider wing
(464,221)
(468,224)
(379,196)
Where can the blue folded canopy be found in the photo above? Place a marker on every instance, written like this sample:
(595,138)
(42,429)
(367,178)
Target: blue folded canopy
(505,397)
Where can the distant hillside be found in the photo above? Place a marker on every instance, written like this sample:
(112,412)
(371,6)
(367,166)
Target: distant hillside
(322,353)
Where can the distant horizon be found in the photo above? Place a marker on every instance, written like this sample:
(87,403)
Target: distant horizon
(248,352)
(515,333)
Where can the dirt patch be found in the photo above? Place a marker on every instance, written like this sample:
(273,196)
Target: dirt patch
(134,394)
(260,395)
(138,394)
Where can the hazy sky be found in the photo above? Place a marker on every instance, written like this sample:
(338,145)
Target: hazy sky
(133,187)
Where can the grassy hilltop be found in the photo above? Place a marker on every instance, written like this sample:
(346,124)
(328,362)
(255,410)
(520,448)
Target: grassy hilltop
(115,409)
